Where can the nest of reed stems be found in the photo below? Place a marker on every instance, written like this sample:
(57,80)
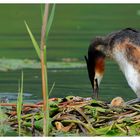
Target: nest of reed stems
(77,116)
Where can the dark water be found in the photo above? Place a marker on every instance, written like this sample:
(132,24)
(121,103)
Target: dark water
(67,82)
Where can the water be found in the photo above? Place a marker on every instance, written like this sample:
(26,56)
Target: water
(73,27)
(67,82)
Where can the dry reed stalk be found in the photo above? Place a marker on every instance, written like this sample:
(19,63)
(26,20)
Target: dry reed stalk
(24,105)
(44,72)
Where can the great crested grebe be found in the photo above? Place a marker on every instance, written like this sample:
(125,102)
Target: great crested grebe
(124,47)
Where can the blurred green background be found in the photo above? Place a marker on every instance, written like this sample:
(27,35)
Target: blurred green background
(73,28)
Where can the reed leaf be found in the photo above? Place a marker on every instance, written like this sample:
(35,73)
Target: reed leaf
(51,88)
(49,23)
(42,10)
(19,104)
(35,44)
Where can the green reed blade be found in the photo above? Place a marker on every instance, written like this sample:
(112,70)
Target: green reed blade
(19,103)
(35,44)
(50,20)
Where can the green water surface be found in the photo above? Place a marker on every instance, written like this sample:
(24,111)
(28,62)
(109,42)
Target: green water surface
(73,27)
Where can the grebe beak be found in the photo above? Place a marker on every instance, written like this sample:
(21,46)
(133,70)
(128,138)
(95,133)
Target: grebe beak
(95,67)
(97,80)
(95,89)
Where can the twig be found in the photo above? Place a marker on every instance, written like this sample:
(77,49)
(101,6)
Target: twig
(89,128)
(79,110)
(111,126)
(32,126)
(22,117)
(81,127)
(121,129)
(135,109)
(24,105)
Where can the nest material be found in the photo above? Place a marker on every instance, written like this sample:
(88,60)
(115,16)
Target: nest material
(77,116)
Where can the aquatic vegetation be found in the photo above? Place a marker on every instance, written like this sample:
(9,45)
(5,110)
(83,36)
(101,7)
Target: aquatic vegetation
(5,128)
(15,64)
(19,103)
(41,52)
(77,116)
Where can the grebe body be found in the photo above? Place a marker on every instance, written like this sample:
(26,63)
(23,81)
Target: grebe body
(124,47)
(132,74)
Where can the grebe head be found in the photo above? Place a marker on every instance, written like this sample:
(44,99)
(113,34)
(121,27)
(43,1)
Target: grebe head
(96,63)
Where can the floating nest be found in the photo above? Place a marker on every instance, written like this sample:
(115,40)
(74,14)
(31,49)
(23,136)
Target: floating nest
(77,116)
